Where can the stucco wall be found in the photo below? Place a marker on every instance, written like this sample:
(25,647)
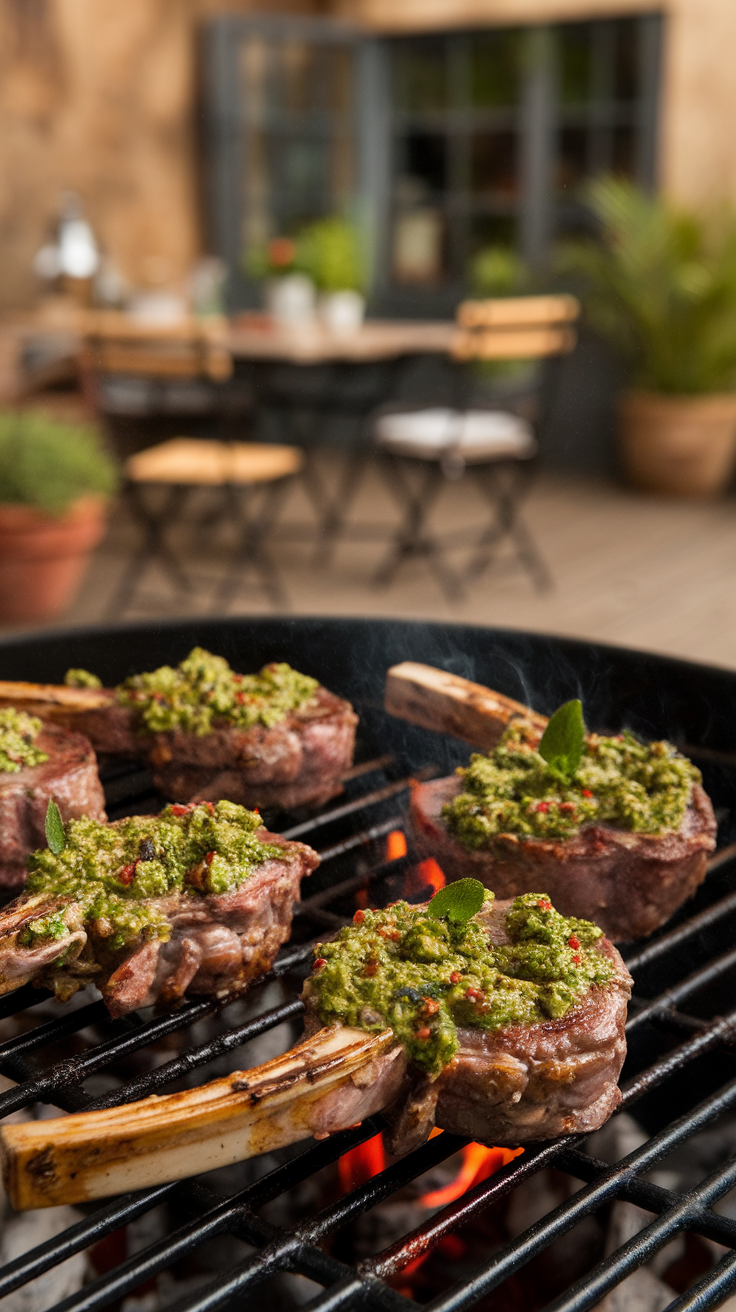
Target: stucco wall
(99,96)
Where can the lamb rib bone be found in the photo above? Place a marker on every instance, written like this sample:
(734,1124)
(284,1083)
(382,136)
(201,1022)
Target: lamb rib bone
(96,1154)
(435,699)
(54,701)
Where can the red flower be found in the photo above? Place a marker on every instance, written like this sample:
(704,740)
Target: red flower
(281,252)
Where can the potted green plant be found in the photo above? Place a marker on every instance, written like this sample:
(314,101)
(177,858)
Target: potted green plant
(55,480)
(329,250)
(660,285)
(288,289)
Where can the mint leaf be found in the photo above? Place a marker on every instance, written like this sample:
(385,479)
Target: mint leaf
(563,740)
(459,901)
(55,836)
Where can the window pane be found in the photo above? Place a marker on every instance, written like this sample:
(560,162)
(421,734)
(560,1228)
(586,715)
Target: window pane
(624,151)
(312,77)
(573,158)
(495,69)
(423,163)
(419,245)
(575,63)
(420,75)
(493,230)
(626,73)
(494,163)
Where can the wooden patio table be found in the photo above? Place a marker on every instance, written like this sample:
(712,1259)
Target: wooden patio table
(257,337)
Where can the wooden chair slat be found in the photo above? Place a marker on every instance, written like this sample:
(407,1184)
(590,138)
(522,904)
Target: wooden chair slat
(517,311)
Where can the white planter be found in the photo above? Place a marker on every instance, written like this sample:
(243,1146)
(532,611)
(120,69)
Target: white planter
(342,312)
(292,299)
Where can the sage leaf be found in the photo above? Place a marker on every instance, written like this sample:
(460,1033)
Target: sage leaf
(563,740)
(55,836)
(458,902)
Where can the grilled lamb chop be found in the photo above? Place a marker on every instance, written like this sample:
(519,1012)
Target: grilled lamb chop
(224,743)
(627,880)
(68,774)
(197,900)
(627,883)
(514,1084)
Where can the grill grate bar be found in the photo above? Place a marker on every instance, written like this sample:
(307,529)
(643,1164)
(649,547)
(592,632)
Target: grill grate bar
(349,808)
(704,920)
(563,1218)
(587,1293)
(711,1291)
(360,840)
(697,980)
(93,1014)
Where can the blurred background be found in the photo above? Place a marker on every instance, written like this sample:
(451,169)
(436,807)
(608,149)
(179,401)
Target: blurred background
(420,309)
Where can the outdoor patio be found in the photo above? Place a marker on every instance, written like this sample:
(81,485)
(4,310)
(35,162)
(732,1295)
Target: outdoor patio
(628,569)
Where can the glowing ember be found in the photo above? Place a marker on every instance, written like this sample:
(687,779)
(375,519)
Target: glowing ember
(396,845)
(361,1163)
(478,1162)
(429,872)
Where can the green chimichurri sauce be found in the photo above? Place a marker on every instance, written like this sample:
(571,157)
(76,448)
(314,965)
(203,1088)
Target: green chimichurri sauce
(18,732)
(81,679)
(424,977)
(203,688)
(642,787)
(114,875)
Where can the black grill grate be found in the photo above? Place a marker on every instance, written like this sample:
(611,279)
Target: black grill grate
(682,1064)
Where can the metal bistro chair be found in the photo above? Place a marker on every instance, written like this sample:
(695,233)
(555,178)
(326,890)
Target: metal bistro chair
(420,450)
(116,346)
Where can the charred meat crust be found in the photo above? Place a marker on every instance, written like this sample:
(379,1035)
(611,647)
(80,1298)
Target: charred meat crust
(627,883)
(69,776)
(299,761)
(510,1086)
(218,943)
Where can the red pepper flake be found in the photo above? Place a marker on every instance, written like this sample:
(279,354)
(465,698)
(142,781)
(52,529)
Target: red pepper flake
(256,810)
(574,941)
(544,904)
(179,810)
(424,1033)
(586,792)
(209,858)
(359,917)
(541,806)
(319,963)
(371,968)
(455,977)
(210,807)
(567,806)
(386,931)
(577,960)
(240,698)
(473,994)
(430,1007)
(127,874)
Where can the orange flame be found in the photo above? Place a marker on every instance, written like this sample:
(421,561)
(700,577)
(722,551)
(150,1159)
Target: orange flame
(361,1163)
(430,872)
(478,1162)
(396,845)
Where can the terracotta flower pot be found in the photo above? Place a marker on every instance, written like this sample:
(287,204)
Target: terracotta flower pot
(42,558)
(680,445)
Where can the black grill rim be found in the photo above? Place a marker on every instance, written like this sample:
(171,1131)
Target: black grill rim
(688,697)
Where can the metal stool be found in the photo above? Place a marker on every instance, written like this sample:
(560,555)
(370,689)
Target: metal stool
(244,472)
(421,450)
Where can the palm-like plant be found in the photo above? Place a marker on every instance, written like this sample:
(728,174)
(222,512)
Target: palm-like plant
(660,286)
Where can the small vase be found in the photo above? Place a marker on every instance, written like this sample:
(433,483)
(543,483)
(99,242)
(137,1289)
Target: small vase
(291,300)
(342,312)
(681,446)
(42,558)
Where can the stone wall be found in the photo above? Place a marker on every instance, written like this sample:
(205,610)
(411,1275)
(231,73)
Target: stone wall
(98,96)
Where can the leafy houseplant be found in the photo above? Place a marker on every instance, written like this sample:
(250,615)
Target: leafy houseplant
(329,250)
(660,287)
(55,479)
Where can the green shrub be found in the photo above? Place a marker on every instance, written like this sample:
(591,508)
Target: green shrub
(498,271)
(660,286)
(329,251)
(49,464)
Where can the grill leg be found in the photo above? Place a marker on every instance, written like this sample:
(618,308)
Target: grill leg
(251,554)
(153,546)
(333,521)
